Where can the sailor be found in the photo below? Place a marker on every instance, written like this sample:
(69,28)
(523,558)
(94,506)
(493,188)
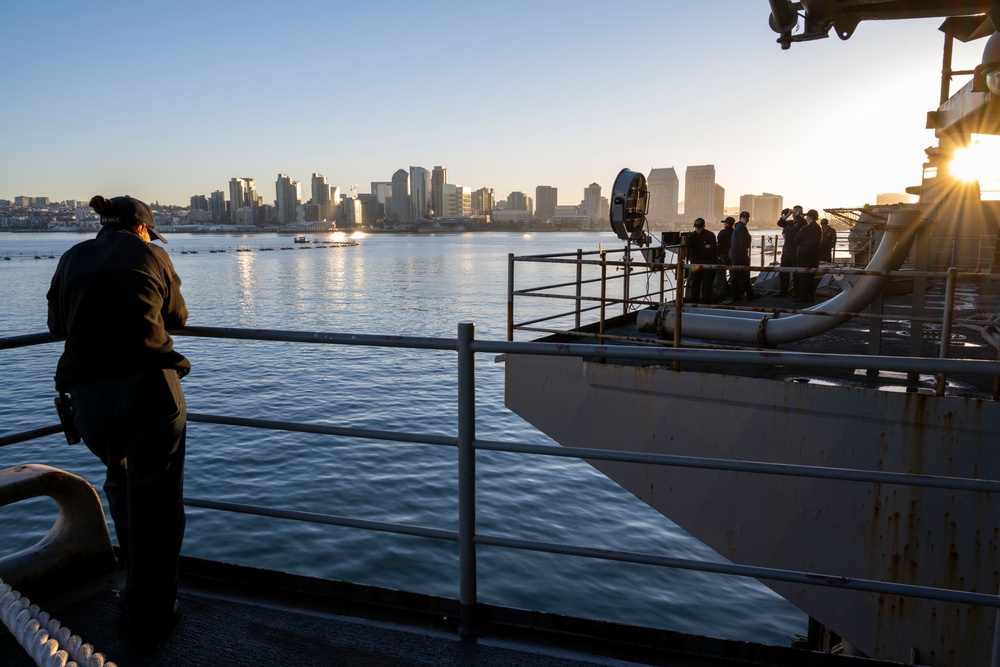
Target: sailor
(725,239)
(702,250)
(739,255)
(113,298)
(807,242)
(828,243)
(791,221)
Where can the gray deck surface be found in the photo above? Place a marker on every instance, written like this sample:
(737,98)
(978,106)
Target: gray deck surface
(227,619)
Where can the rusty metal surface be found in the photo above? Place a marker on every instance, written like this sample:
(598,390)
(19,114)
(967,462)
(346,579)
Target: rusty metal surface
(927,537)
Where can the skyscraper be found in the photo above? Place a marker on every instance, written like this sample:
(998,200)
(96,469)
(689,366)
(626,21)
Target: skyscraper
(321,195)
(286,199)
(517,201)
(438,178)
(483,201)
(699,193)
(243,201)
(592,202)
(217,205)
(663,187)
(401,196)
(546,197)
(420,193)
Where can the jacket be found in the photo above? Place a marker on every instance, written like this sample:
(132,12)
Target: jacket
(113,298)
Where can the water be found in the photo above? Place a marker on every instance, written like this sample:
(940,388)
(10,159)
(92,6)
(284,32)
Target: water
(421,285)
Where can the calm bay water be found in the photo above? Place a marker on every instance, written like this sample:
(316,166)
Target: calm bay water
(420,285)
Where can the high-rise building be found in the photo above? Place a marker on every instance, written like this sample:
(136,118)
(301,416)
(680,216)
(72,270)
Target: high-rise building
(718,203)
(483,201)
(455,200)
(547,198)
(286,199)
(243,202)
(401,196)
(438,178)
(699,193)
(383,192)
(198,210)
(663,187)
(321,196)
(517,201)
(420,193)
(217,205)
(764,209)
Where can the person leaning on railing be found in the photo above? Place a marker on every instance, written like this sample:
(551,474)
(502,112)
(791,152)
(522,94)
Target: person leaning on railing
(113,298)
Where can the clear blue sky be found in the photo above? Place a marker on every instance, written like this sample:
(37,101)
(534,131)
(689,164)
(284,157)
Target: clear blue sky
(170,99)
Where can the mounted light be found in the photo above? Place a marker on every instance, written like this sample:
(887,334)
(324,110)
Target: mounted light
(989,71)
(629,203)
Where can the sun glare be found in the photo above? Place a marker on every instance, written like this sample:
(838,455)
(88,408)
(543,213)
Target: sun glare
(980,161)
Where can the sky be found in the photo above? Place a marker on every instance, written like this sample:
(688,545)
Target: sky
(167,100)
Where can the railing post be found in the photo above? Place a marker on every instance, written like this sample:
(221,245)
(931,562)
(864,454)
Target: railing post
(947,315)
(679,300)
(604,293)
(467,478)
(628,272)
(510,297)
(579,284)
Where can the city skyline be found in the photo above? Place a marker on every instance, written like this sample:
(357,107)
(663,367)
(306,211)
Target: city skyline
(548,100)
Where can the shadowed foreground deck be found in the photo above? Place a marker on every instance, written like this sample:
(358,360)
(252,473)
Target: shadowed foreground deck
(242,616)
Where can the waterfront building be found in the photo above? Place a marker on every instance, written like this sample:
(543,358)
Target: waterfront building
(198,209)
(664,189)
(456,201)
(518,201)
(699,193)
(438,178)
(352,214)
(286,199)
(420,193)
(483,202)
(546,198)
(401,196)
(382,191)
(243,201)
(592,202)
(764,209)
(371,209)
(217,205)
(321,196)
(719,203)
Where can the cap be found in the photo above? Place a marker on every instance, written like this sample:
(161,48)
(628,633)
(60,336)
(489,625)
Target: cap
(824,221)
(699,222)
(745,214)
(125,212)
(729,221)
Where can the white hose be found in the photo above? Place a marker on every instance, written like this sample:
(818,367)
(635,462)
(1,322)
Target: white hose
(44,638)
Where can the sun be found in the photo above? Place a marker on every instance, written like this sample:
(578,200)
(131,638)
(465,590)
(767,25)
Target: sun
(979,161)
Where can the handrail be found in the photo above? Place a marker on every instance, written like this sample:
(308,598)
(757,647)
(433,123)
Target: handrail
(467,347)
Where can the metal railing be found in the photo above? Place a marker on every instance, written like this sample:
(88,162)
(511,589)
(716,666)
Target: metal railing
(595,290)
(467,347)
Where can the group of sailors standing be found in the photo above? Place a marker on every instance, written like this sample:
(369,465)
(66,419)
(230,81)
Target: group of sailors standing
(807,241)
(804,244)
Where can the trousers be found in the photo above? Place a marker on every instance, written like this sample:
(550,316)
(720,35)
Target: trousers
(137,426)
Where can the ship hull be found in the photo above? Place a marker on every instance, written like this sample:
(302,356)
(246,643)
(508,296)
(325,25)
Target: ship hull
(921,536)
